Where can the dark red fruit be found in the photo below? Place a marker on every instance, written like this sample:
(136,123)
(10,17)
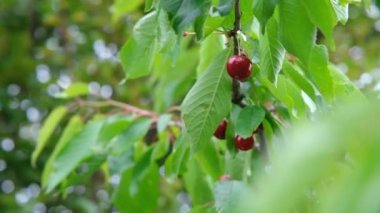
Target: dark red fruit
(220,132)
(244,144)
(239,67)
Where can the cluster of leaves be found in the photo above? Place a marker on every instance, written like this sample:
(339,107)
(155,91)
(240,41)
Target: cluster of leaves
(157,157)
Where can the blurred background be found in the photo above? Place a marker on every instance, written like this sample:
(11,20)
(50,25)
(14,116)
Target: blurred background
(46,45)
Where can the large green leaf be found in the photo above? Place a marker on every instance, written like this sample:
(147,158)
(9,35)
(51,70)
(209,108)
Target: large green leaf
(272,52)
(47,130)
(322,14)
(75,150)
(137,55)
(208,102)
(296,30)
(263,10)
(342,148)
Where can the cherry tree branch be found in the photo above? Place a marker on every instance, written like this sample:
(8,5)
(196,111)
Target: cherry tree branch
(237,97)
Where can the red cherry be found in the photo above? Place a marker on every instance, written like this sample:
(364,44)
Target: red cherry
(239,67)
(220,132)
(244,144)
(224,177)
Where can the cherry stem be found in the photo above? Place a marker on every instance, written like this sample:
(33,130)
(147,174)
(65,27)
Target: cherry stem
(237,97)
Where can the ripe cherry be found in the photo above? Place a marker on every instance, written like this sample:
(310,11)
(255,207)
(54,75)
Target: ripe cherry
(225,177)
(239,67)
(244,144)
(220,132)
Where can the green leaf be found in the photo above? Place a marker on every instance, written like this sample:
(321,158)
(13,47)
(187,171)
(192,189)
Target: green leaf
(212,23)
(137,55)
(224,7)
(176,163)
(74,151)
(210,161)
(74,90)
(341,11)
(73,127)
(263,10)
(47,130)
(163,122)
(248,120)
(298,78)
(186,12)
(322,14)
(201,19)
(138,190)
(272,52)
(166,37)
(196,184)
(122,7)
(210,48)
(161,147)
(320,73)
(297,103)
(172,85)
(208,102)
(343,86)
(296,30)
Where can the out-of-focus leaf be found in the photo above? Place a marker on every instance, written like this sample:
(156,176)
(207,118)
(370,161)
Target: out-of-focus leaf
(74,90)
(196,183)
(75,150)
(208,102)
(341,11)
(123,7)
(72,128)
(47,130)
(137,55)
(296,30)
(263,10)
(225,6)
(227,195)
(342,148)
(210,161)
(176,163)
(293,72)
(322,14)
(138,190)
(210,48)
(185,13)
(163,122)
